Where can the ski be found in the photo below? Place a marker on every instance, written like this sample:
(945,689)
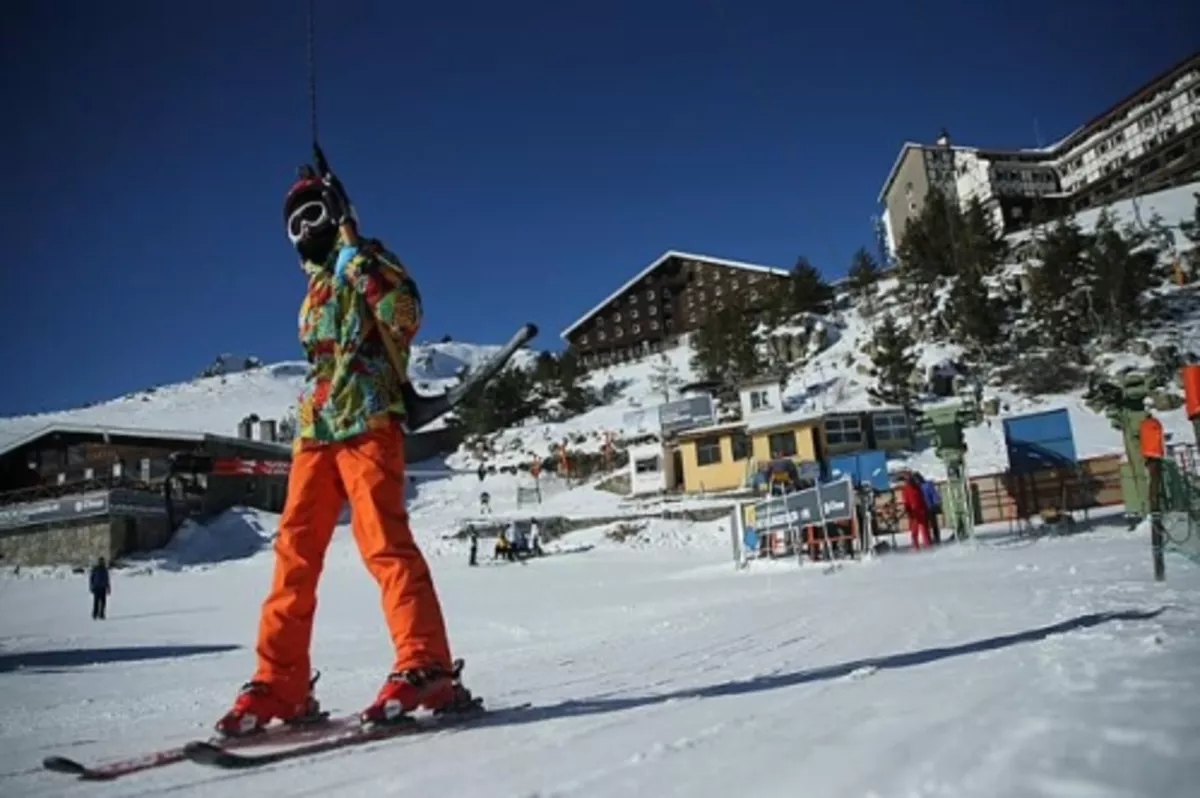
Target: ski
(206,753)
(421,409)
(272,735)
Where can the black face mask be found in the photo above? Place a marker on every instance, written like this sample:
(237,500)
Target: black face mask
(318,245)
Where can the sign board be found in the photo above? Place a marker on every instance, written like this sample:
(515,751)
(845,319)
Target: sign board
(866,467)
(833,501)
(639,420)
(1038,441)
(685,414)
(85,505)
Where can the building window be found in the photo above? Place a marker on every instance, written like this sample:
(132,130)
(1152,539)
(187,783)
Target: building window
(618,331)
(637,328)
(708,451)
(844,431)
(600,336)
(583,340)
(740,444)
(758,400)
(646,465)
(633,313)
(653,325)
(652,310)
(617,317)
(782,444)
(650,294)
(890,427)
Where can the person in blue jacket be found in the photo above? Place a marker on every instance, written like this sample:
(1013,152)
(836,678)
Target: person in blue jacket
(933,501)
(100,586)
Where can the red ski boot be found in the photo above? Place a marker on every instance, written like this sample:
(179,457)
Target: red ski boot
(257,705)
(432,688)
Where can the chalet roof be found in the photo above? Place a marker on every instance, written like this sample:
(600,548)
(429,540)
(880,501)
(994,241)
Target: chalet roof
(671,253)
(107,431)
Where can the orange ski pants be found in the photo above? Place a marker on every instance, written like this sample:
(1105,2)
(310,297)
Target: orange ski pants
(368,470)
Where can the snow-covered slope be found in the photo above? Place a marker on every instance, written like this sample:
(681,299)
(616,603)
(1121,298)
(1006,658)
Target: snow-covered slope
(216,404)
(833,379)
(1054,668)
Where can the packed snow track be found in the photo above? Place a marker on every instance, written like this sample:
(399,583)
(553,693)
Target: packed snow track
(1049,668)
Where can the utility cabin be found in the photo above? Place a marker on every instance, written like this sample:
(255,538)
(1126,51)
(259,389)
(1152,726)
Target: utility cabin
(70,493)
(651,469)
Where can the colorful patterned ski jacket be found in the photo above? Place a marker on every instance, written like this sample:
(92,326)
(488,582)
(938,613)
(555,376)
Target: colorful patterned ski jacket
(359,295)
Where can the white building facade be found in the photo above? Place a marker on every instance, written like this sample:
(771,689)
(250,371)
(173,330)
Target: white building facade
(1148,142)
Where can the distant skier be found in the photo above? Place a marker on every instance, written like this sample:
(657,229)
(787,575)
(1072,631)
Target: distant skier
(100,586)
(933,501)
(485,503)
(473,536)
(914,508)
(357,322)
(535,538)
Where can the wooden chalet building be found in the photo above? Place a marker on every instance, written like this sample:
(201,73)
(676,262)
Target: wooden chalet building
(664,300)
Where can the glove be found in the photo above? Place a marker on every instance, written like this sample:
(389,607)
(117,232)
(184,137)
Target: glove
(336,201)
(345,254)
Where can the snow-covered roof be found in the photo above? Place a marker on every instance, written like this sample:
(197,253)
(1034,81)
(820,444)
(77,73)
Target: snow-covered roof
(671,253)
(766,421)
(99,429)
(715,429)
(135,432)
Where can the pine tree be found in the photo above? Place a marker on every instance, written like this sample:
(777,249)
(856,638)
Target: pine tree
(893,363)
(574,394)
(728,345)
(504,401)
(1191,230)
(929,244)
(1058,307)
(664,378)
(981,247)
(862,277)
(1123,267)
(977,317)
(809,291)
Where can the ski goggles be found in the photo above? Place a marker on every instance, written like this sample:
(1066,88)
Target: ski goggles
(309,216)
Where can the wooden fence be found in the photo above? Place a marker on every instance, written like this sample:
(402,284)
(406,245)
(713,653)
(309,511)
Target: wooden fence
(1002,496)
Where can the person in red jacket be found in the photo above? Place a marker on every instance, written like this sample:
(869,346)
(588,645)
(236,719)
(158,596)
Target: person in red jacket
(915,509)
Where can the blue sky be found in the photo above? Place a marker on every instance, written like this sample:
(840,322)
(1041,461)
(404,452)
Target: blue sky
(524,158)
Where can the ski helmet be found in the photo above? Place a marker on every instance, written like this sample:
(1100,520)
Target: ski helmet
(304,211)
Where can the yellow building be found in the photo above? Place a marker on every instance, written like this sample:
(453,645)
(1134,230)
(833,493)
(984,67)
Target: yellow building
(714,458)
(719,457)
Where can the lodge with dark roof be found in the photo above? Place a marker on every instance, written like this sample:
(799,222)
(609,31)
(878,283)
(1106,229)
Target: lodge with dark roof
(70,493)
(666,299)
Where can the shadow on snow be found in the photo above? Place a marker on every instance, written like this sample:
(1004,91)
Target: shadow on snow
(908,659)
(80,657)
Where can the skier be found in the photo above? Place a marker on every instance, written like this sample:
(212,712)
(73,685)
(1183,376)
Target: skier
(100,586)
(357,322)
(914,508)
(474,538)
(933,503)
(535,542)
